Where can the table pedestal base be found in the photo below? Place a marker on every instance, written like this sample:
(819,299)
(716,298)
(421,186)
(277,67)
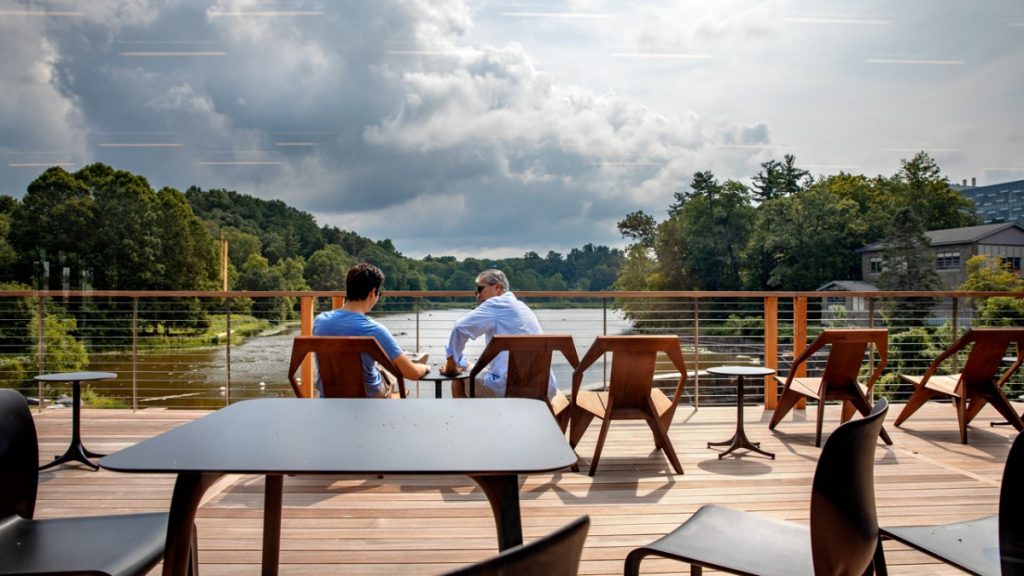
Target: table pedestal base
(76,452)
(740,440)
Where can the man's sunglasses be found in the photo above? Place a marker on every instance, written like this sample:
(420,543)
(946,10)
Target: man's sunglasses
(480,287)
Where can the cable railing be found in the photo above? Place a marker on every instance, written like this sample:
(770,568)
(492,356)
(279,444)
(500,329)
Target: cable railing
(209,349)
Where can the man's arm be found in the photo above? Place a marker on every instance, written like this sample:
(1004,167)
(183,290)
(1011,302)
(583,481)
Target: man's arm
(469,327)
(410,370)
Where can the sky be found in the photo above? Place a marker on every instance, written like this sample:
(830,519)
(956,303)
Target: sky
(492,128)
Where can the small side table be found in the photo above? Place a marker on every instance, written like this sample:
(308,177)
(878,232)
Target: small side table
(739,439)
(438,378)
(76,452)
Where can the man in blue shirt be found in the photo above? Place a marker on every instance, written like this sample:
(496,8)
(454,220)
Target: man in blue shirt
(363,290)
(498,312)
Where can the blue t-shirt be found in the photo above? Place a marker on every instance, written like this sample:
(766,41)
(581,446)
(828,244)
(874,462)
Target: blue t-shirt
(344,323)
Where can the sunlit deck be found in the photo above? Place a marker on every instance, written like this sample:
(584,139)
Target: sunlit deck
(427,525)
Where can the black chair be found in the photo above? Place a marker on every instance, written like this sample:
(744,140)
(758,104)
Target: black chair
(992,545)
(128,544)
(842,536)
(557,554)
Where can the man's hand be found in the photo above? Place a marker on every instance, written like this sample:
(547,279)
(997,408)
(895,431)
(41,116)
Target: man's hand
(450,367)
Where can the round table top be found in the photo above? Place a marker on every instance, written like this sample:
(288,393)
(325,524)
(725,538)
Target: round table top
(741,370)
(438,377)
(75,376)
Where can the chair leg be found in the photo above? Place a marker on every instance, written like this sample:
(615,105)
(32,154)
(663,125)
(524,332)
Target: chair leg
(917,399)
(579,421)
(974,406)
(861,404)
(633,559)
(961,417)
(662,439)
(821,420)
(786,403)
(1002,405)
(605,423)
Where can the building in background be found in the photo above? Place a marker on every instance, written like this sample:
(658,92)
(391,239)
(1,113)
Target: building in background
(996,203)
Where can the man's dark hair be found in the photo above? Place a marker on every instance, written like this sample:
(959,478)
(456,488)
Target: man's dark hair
(361,280)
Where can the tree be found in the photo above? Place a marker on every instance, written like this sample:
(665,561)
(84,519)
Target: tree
(907,265)
(920,186)
(779,179)
(985,274)
(327,267)
(639,227)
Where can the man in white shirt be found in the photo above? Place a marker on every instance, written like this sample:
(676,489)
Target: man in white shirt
(498,312)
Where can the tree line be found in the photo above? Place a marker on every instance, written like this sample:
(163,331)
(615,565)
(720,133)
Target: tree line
(791,231)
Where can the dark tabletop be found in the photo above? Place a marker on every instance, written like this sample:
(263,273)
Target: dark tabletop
(75,376)
(741,371)
(371,436)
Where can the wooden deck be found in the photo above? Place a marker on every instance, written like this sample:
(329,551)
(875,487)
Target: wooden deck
(427,525)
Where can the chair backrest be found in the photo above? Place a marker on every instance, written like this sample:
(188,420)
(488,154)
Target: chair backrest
(632,368)
(846,355)
(986,356)
(339,360)
(19,457)
(557,554)
(529,361)
(844,524)
(1011,510)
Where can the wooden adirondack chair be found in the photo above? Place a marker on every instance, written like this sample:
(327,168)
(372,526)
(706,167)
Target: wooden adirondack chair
(839,379)
(631,394)
(977,383)
(529,366)
(339,360)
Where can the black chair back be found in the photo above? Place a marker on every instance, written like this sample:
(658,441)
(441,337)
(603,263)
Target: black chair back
(1011,511)
(844,525)
(557,554)
(19,457)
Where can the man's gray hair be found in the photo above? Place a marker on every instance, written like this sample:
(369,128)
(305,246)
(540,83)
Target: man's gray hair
(492,277)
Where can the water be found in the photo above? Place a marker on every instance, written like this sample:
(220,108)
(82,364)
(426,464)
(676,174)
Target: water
(198,378)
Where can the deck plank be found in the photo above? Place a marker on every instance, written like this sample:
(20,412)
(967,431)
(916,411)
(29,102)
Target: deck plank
(430,524)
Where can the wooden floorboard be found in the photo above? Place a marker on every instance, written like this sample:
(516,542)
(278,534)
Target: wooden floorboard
(429,524)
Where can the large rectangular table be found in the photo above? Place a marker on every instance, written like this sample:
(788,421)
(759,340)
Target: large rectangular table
(490,440)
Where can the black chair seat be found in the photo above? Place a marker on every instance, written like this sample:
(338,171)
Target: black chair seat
(971,546)
(83,545)
(739,542)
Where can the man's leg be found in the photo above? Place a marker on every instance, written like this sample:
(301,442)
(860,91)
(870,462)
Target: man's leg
(459,388)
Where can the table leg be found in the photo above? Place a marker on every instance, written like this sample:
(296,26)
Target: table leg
(188,492)
(437,389)
(503,493)
(76,452)
(739,439)
(272,495)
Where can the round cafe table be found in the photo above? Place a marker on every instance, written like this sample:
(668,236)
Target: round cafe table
(739,439)
(76,452)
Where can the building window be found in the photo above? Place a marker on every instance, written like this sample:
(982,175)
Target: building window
(875,266)
(947,261)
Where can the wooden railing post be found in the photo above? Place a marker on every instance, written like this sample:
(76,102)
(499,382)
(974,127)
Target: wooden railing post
(800,338)
(306,329)
(771,350)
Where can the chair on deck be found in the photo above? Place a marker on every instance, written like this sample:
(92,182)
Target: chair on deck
(839,380)
(992,545)
(976,384)
(631,394)
(557,554)
(124,544)
(843,531)
(529,367)
(339,360)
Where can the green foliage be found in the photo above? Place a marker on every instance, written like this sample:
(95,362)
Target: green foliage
(61,351)
(985,274)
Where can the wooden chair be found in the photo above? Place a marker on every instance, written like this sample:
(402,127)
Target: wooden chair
(976,384)
(839,380)
(992,545)
(843,531)
(557,554)
(124,544)
(529,367)
(339,360)
(631,394)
